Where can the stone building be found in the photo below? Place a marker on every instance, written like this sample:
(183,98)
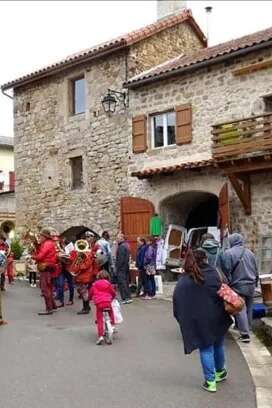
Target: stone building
(72,157)
(79,166)
(180,166)
(7,185)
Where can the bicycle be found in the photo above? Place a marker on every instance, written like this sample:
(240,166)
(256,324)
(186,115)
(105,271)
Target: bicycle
(108,329)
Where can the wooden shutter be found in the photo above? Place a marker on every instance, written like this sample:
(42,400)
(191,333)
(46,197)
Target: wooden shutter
(11,181)
(183,124)
(139,144)
(224,211)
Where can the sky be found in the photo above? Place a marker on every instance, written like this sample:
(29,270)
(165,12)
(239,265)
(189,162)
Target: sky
(37,33)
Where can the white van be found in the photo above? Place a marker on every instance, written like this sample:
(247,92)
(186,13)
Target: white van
(178,240)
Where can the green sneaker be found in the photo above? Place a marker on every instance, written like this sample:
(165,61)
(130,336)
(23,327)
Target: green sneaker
(209,386)
(221,375)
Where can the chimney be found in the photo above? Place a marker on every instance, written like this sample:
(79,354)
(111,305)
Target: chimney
(166,8)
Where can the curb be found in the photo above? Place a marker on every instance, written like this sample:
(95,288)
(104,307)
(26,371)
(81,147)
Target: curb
(259,362)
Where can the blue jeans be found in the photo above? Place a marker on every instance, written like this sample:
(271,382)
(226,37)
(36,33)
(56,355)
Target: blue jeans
(213,359)
(149,285)
(59,285)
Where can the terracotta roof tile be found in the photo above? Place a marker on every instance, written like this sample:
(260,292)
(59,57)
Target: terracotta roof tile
(146,173)
(206,54)
(122,41)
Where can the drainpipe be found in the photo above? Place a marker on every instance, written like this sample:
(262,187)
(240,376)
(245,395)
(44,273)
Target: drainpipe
(6,94)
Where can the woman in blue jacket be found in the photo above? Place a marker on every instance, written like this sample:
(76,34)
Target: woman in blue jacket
(201,315)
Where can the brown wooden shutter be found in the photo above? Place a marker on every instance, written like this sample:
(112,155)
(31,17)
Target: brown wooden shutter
(139,143)
(224,211)
(11,181)
(183,124)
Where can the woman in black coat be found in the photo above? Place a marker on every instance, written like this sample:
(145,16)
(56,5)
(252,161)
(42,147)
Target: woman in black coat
(201,315)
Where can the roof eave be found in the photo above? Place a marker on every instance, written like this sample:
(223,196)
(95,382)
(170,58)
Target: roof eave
(62,67)
(198,65)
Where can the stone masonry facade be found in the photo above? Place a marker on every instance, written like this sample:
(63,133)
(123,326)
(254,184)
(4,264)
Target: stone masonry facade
(47,136)
(217,96)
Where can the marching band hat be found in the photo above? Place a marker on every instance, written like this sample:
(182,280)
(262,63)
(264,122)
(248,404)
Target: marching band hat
(45,232)
(89,234)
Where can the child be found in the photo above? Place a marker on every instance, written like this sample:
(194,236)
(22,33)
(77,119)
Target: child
(102,294)
(31,269)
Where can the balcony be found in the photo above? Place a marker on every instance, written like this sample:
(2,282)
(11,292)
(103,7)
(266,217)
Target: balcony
(249,137)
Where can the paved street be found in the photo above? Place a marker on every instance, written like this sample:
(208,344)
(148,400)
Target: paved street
(53,361)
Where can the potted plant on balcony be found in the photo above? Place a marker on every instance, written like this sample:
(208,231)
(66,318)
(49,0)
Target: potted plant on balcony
(230,134)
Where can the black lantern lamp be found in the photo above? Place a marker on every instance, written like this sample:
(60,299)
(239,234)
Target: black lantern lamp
(113,98)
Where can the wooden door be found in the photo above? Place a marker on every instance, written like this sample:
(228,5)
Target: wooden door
(135,217)
(224,212)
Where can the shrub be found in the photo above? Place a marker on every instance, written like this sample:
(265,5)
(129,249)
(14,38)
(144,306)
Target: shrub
(16,248)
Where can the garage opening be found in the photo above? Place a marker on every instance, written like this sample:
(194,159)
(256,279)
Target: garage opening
(190,209)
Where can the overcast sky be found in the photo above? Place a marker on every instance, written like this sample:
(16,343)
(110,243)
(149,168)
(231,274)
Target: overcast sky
(37,33)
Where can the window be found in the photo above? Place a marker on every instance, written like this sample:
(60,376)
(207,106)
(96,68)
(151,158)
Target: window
(77,172)
(78,96)
(163,129)
(268,103)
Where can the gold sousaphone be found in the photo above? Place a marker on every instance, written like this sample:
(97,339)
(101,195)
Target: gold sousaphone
(81,261)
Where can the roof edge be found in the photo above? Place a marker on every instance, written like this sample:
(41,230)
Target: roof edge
(59,67)
(121,42)
(212,61)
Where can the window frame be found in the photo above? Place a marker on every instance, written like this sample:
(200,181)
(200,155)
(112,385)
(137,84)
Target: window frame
(72,94)
(165,133)
(81,185)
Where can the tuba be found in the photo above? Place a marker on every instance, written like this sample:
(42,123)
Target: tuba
(82,260)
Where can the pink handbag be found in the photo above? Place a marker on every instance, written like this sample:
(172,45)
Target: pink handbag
(232,301)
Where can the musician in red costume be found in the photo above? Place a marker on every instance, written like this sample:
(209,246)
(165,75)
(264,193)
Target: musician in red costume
(46,258)
(84,268)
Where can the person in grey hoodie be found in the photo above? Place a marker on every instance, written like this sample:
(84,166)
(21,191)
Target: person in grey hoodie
(211,247)
(240,268)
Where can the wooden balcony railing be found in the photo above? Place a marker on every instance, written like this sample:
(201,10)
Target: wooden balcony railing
(242,137)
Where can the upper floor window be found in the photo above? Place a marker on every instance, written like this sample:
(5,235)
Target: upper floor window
(163,129)
(77,172)
(78,95)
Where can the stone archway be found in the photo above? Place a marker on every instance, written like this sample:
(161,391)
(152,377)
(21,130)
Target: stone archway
(190,209)
(8,228)
(76,232)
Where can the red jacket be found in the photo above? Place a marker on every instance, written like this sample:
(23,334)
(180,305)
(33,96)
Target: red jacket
(46,253)
(102,292)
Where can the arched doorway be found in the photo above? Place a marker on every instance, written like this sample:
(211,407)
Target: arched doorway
(190,209)
(76,232)
(8,228)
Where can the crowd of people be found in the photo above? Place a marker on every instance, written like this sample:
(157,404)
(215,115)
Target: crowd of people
(97,270)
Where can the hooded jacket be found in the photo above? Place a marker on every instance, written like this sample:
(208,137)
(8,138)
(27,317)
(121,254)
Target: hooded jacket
(102,292)
(244,276)
(211,247)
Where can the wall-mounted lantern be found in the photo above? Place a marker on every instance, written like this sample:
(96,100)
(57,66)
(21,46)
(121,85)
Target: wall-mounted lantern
(112,99)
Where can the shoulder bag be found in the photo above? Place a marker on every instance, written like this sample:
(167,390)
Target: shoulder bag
(233,303)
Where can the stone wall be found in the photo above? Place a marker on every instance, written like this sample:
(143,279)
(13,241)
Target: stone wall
(7,207)
(163,46)
(216,96)
(47,136)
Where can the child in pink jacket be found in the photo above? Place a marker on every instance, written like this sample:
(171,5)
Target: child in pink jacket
(102,294)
